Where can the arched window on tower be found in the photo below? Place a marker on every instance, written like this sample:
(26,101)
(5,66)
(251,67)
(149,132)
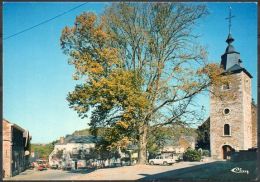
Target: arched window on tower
(227,130)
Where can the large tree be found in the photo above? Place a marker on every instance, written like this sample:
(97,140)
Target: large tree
(139,65)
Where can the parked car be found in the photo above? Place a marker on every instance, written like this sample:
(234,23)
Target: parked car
(115,164)
(100,164)
(41,164)
(54,166)
(161,160)
(81,164)
(41,168)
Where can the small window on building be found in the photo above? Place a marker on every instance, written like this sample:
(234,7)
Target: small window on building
(227,129)
(226,86)
(226,111)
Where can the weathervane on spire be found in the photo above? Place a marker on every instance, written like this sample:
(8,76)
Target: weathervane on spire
(229,19)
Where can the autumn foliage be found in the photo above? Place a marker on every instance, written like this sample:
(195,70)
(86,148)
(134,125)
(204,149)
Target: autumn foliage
(139,65)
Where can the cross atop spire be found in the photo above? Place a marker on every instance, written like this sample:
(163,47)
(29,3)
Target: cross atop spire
(229,19)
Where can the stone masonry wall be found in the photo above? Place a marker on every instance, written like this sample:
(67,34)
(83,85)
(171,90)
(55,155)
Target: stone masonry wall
(254,125)
(247,114)
(235,118)
(7,148)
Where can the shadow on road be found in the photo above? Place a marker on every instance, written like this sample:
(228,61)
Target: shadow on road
(215,171)
(89,170)
(81,171)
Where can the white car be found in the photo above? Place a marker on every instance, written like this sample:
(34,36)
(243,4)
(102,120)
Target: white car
(163,160)
(81,164)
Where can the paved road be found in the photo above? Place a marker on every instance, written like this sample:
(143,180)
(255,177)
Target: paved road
(43,175)
(126,172)
(213,170)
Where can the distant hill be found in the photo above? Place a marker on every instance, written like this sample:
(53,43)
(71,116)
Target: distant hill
(179,130)
(42,150)
(176,130)
(81,132)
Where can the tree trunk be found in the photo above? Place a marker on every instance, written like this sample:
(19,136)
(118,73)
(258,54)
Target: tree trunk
(142,154)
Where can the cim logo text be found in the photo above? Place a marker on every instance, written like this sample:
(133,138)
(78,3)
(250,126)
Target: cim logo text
(239,170)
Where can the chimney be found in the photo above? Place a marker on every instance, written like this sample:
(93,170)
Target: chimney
(61,140)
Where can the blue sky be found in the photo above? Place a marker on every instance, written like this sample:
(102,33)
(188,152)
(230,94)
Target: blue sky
(37,77)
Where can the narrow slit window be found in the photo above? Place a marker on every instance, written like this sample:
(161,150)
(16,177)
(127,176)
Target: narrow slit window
(226,129)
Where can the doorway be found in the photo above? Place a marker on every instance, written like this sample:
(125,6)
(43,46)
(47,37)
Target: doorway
(227,151)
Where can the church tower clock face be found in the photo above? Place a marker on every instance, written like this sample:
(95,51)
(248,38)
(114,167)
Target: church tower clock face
(230,117)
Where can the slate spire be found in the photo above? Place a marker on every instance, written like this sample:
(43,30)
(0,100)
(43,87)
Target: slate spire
(230,60)
(230,57)
(230,48)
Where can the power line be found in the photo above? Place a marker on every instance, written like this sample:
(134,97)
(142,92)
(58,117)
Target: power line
(45,21)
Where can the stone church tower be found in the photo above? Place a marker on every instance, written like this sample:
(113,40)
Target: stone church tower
(231,118)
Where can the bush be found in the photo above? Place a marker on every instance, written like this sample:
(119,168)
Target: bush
(205,153)
(191,155)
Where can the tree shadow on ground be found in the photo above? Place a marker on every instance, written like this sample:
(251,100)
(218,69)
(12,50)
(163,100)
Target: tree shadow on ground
(215,171)
(81,171)
(89,170)
(27,171)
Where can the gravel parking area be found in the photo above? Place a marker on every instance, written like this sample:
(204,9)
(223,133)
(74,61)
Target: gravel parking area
(132,172)
(212,170)
(118,173)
